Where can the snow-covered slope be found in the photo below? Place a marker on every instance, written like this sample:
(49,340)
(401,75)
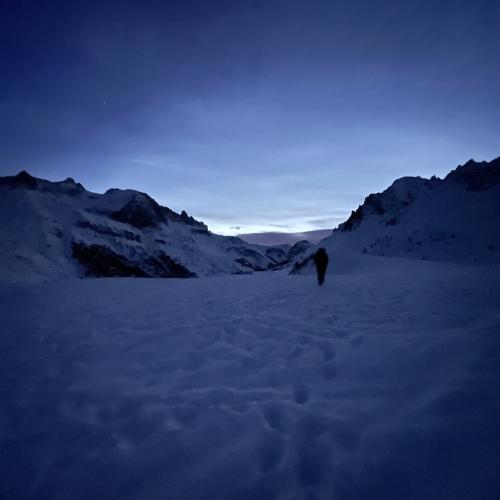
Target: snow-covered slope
(58,229)
(455,219)
(383,385)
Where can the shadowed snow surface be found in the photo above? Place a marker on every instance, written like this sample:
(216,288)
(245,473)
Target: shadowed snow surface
(382,384)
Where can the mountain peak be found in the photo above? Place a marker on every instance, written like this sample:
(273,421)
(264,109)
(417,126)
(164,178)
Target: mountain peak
(24,178)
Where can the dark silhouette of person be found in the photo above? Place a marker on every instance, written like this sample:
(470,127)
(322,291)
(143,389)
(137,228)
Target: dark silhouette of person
(321,262)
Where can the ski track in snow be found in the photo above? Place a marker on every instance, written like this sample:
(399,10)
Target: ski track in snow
(380,385)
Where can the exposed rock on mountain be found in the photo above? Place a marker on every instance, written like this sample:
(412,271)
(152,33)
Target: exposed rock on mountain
(298,248)
(476,176)
(278,254)
(101,261)
(140,211)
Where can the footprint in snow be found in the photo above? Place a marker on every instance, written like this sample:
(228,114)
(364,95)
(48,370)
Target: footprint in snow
(313,463)
(328,371)
(327,350)
(341,333)
(301,394)
(304,339)
(270,450)
(186,415)
(294,353)
(275,416)
(357,341)
(230,331)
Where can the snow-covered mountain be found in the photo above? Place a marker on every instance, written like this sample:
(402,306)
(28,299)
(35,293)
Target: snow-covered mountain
(455,219)
(58,229)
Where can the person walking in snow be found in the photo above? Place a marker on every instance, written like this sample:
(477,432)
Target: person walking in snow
(321,262)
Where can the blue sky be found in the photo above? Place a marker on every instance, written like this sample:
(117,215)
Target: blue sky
(253,115)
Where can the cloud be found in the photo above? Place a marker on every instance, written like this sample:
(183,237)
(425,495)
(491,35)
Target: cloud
(236,228)
(324,221)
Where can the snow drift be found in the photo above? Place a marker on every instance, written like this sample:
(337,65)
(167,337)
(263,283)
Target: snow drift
(381,385)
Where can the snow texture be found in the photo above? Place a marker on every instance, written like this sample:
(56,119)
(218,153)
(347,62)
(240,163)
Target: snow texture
(382,384)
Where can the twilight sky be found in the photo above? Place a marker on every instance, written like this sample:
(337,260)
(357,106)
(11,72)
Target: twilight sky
(250,115)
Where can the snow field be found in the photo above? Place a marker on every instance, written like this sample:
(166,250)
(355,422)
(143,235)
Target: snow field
(382,384)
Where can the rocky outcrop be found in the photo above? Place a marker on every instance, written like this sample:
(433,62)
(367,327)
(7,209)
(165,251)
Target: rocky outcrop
(102,261)
(476,176)
(24,180)
(250,258)
(140,211)
(298,248)
(277,255)
(107,231)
